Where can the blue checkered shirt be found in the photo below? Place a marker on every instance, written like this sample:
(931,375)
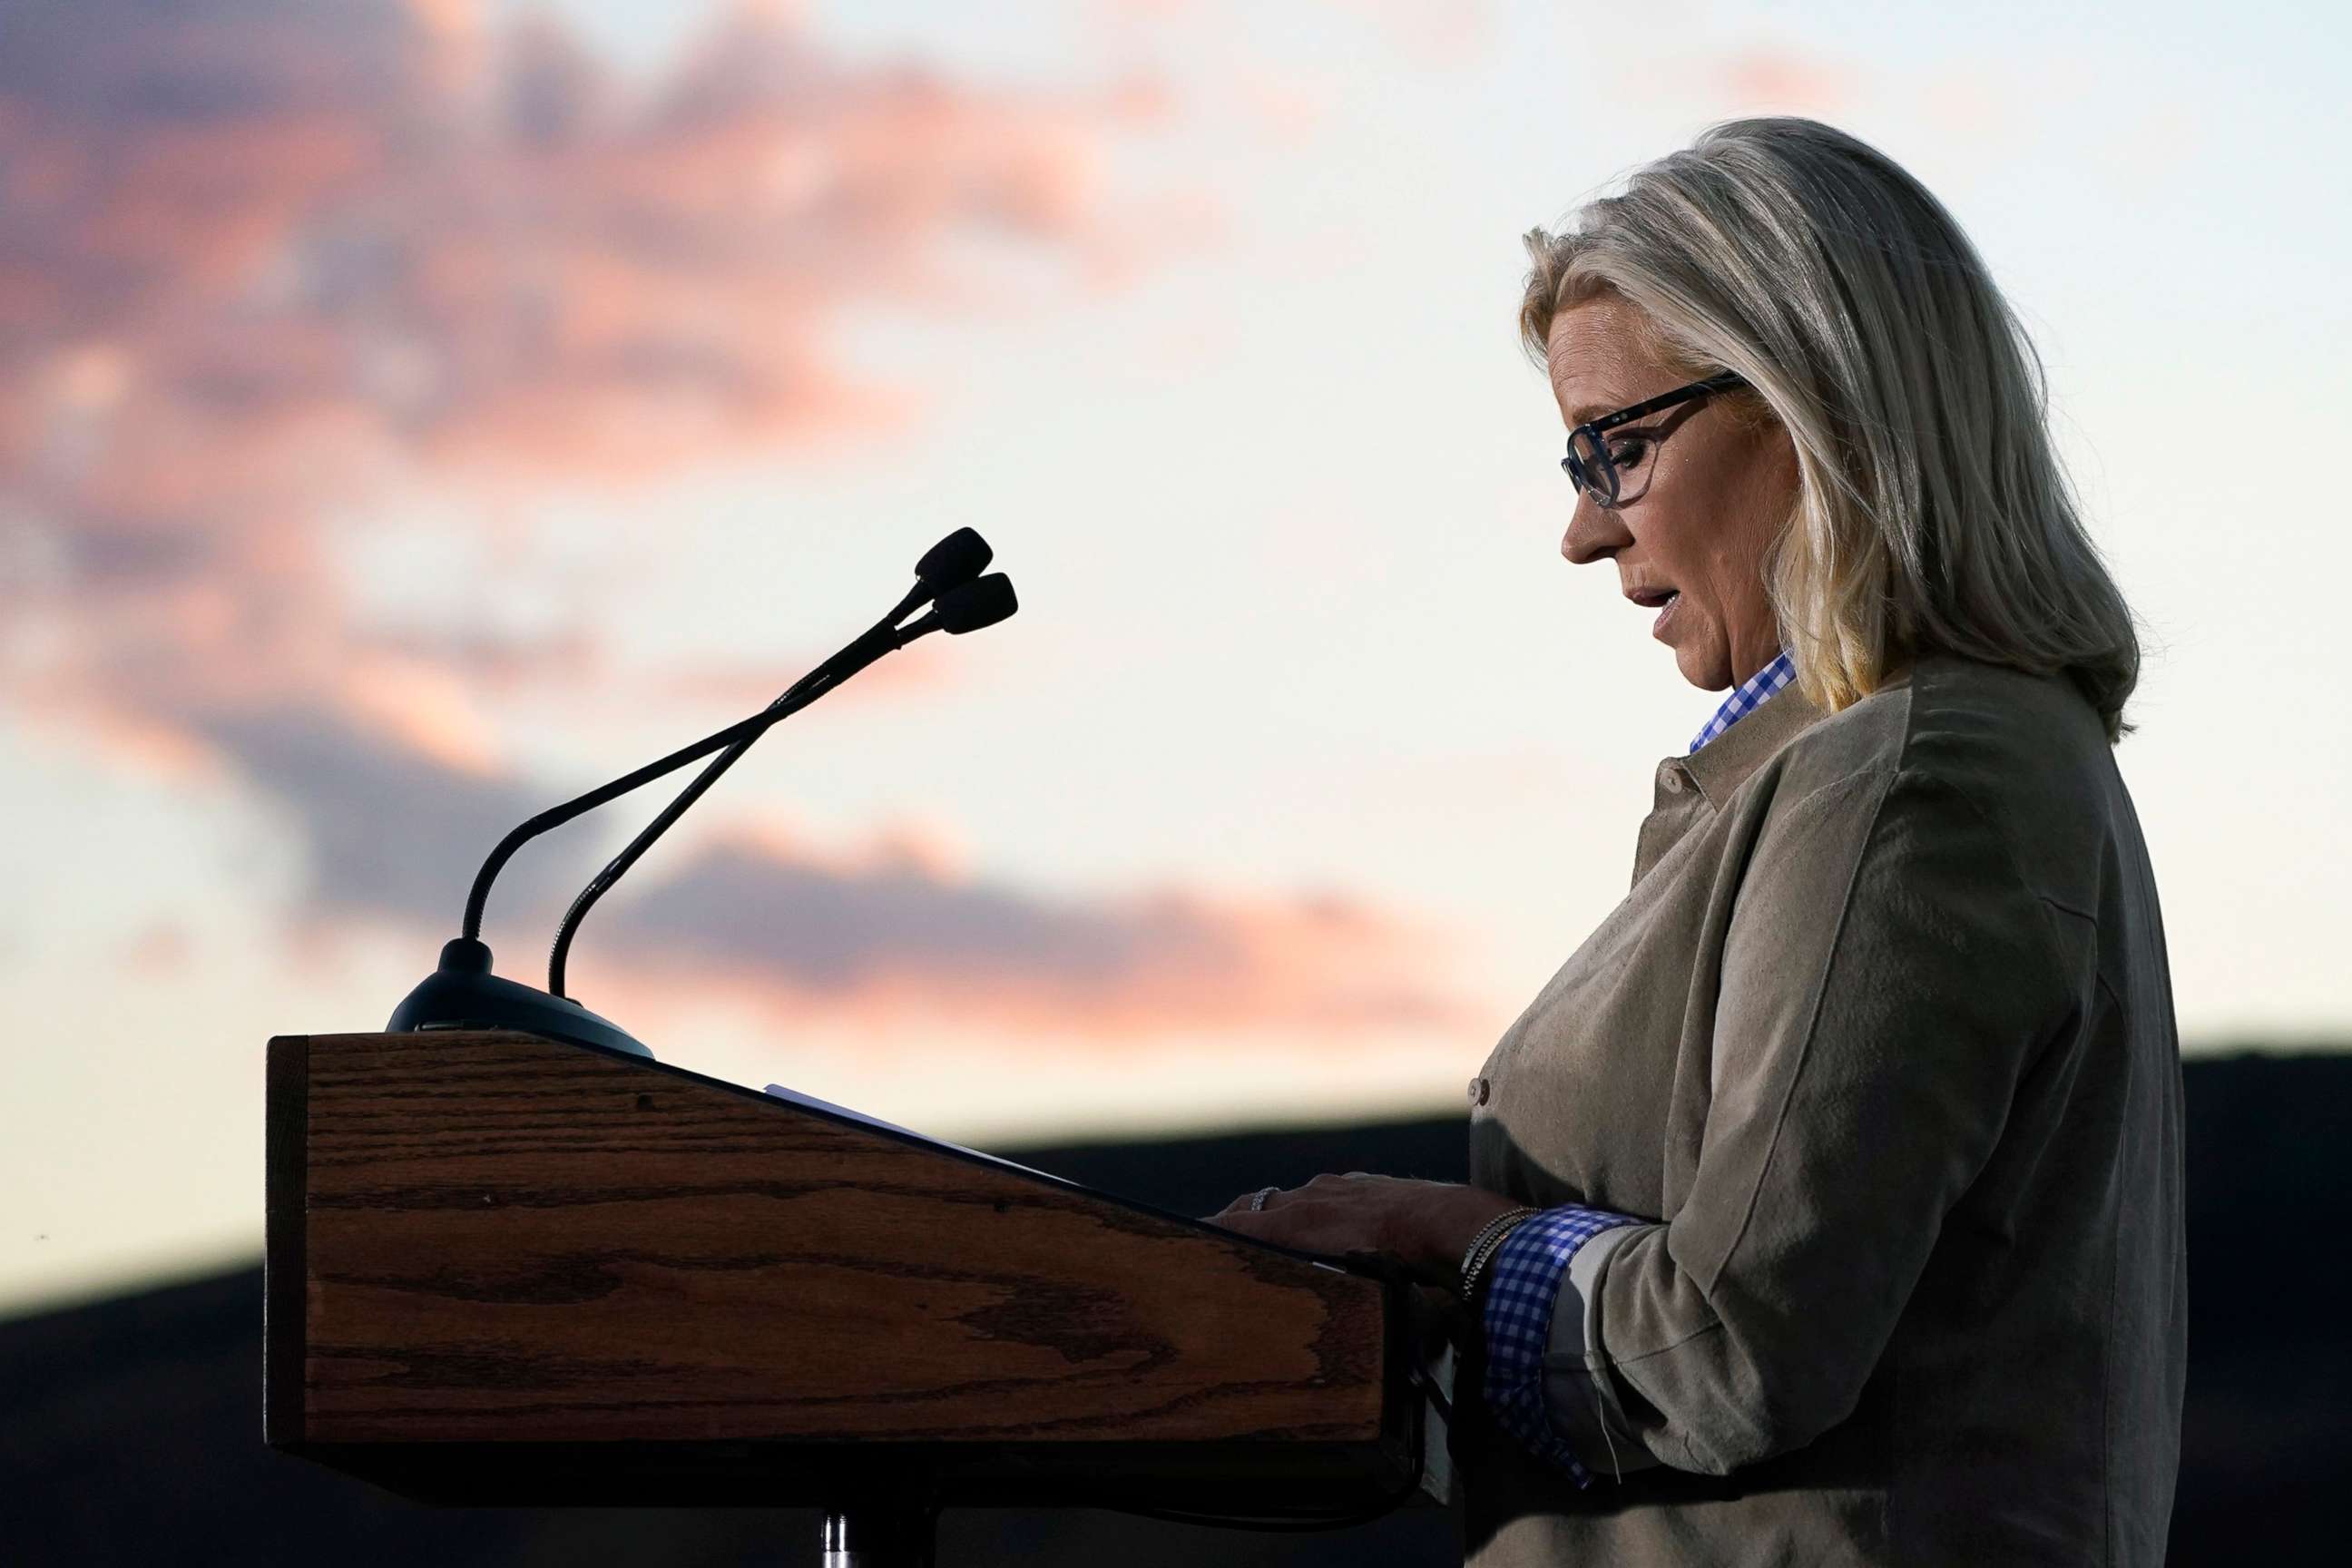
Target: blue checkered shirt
(1747,697)
(1527,1268)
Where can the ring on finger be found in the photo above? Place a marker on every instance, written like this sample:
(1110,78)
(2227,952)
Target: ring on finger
(1257,1199)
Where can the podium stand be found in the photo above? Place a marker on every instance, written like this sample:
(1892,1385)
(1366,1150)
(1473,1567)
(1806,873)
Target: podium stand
(507,1270)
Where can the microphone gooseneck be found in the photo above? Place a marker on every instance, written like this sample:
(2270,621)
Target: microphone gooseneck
(827,676)
(967,606)
(463,992)
(556,817)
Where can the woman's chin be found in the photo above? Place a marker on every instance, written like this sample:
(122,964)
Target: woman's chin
(1700,669)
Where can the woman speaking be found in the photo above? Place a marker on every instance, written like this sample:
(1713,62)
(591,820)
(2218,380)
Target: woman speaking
(1826,1204)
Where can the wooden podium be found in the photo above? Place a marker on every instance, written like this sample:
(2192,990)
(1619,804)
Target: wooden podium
(504,1270)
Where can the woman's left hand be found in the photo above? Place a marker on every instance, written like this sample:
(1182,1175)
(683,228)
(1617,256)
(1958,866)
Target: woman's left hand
(1425,1225)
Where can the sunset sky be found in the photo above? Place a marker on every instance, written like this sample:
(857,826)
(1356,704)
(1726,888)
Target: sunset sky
(414,411)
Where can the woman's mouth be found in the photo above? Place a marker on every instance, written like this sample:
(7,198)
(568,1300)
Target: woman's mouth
(1662,600)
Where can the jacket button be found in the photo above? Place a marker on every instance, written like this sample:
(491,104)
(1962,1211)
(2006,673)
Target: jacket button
(1670,779)
(1479,1091)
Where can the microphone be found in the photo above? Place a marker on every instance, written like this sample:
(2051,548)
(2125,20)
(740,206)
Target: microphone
(463,992)
(981,602)
(957,559)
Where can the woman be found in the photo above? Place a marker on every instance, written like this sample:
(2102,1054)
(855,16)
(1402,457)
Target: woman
(1826,1204)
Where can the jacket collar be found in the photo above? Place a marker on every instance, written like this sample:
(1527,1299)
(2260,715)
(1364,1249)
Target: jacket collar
(1724,764)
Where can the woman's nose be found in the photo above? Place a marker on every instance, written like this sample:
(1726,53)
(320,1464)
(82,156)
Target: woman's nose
(1594,533)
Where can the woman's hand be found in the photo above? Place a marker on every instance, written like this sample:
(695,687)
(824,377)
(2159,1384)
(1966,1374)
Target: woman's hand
(1425,1225)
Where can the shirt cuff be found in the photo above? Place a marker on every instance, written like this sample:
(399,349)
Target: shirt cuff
(1520,1294)
(1582,1398)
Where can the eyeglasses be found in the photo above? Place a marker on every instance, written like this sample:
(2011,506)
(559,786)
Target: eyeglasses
(1616,472)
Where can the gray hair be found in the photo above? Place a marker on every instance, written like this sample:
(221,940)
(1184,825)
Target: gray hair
(1932,514)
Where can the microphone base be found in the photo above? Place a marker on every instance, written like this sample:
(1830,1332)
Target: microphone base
(464,994)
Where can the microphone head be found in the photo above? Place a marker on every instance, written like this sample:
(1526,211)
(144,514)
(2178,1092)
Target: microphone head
(982,602)
(958,558)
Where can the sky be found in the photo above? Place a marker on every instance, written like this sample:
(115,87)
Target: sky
(415,411)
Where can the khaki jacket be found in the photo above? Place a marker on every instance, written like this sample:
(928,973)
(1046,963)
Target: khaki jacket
(1882,1038)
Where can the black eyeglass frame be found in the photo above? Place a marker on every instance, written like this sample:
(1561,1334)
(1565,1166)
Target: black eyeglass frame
(1603,487)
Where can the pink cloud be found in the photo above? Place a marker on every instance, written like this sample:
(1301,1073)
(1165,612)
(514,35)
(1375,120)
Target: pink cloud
(160,950)
(264,262)
(906,937)
(1784,81)
(390,832)
(898,934)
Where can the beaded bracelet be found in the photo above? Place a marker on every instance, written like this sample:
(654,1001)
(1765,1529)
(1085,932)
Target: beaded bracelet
(1486,1244)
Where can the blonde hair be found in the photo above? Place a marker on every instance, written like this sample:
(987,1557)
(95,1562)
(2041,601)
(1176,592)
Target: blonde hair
(1932,512)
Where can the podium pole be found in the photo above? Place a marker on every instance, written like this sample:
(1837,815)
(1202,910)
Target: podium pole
(880,1535)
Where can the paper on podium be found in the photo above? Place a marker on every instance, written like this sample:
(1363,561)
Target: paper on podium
(1436,1450)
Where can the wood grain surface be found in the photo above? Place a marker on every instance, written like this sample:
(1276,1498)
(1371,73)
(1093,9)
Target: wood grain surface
(500,1238)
